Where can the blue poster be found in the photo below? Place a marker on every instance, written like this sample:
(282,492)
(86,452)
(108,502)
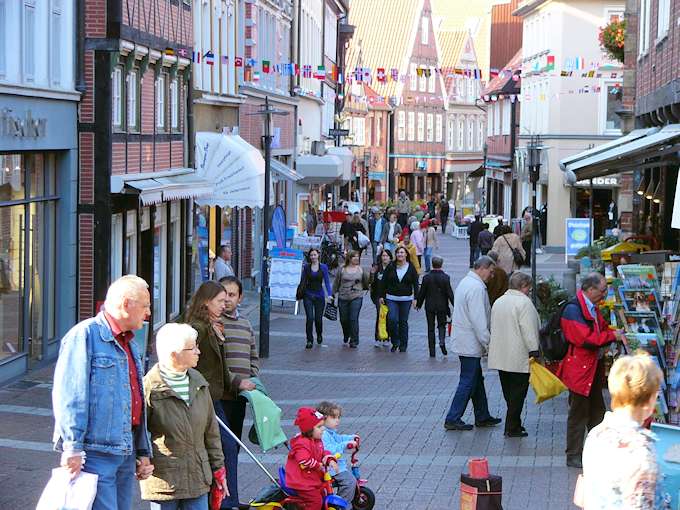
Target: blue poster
(279,226)
(578,234)
(203,238)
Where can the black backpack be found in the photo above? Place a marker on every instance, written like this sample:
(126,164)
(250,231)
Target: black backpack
(551,339)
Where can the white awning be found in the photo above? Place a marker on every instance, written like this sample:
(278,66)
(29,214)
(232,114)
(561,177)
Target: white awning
(625,153)
(284,171)
(234,166)
(319,169)
(156,187)
(347,158)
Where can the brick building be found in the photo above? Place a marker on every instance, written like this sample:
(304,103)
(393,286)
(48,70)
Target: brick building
(134,179)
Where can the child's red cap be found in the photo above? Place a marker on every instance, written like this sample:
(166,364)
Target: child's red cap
(307,418)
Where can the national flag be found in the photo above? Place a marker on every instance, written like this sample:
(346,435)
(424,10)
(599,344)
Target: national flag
(182,52)
(265,66)
(238,61)
(419,71)
(366,74)
(196,57)
(550,66)
(225,59)
(170,52)
(251,62)
(427,72)
(297,69)
(320,73)
(334,72)
(380,75)
(256,76)
(591,74)
(209,58)
(248,73)
(394,73)
(306,71)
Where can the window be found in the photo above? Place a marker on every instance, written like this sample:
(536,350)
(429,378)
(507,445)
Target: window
(663,19)
(644,20)
(160,102)
(160,261)
(401,126)
(471,134)
(369,132)
(461,132)
(359,130)
(29,40)
(438,129)
(174,105)
(450,134)
(421,127)
(116,103)
(424,30)
(116,256)
(3,36)
(430,127)
(413,76)
(378,129)
(489,117)
(130,244)
(611,103)
(431,83)
(471,93)
(132,96)
(505,126)
(411,126)
(423,80)
(55,44)
(480,132)
(497,110)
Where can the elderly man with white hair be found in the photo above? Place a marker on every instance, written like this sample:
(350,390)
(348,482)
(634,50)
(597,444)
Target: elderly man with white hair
(100,420)
(187,451)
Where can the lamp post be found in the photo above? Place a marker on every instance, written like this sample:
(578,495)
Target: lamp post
(265,302)
(534,156)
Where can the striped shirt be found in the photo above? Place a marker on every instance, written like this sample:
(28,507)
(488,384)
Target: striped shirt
(177,381)
(240,349)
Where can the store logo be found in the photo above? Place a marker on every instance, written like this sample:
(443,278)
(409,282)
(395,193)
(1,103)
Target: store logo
(21,127)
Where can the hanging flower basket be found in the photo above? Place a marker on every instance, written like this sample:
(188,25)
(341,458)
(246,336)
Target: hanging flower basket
(612,37)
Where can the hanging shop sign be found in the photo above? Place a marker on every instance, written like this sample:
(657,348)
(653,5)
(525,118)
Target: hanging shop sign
(611,181)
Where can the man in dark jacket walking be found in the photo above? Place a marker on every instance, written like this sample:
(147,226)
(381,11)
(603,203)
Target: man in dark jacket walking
(436,293)
(582,369)
(473,232)
(444,213)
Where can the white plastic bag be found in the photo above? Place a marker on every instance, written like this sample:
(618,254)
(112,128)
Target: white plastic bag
(363,239)
(62,493)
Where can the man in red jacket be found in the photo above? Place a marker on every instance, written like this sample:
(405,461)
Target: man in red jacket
(582,369)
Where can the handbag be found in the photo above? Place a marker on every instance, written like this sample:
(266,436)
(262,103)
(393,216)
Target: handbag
(62,492)
(362,239)
(331,311)
(516,255)
(302,286)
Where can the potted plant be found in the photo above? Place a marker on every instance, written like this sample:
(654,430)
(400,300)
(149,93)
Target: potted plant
(612,37)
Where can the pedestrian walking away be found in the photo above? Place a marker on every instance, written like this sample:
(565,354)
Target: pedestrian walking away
(436,293)
(444,213)
(403,208)
(514,339)
(485,239)
(100,422)
(498,283)
(204,314)
(349,285)
(510,251)
(399,290)
(314,277)
(527,238)
(474,229)
(187,459)
(582,369)
(471,341)
(375,229)
(431,243)
(377,274)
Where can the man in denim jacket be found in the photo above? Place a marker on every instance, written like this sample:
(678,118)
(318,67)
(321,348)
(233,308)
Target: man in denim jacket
(100,420)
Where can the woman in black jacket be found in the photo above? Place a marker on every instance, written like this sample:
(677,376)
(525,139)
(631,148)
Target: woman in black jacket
(377,273)
(399,290)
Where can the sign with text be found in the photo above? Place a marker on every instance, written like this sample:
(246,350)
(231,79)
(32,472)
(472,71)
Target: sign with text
(611,181)
(578,235)
(338,132)
(284,275)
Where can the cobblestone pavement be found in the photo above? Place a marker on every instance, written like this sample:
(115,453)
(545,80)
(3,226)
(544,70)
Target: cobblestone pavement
(396,402)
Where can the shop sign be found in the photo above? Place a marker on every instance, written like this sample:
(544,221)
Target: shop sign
(21,127)
(578,235)
(376,176)
(609,182)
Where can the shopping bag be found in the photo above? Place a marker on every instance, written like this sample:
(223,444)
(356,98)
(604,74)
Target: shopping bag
(362,239)
(382,323)
(545,384)
(331,311)
(62,493)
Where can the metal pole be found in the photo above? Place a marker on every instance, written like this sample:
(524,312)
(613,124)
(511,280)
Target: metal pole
(265,303)
(590,213)
(534,230)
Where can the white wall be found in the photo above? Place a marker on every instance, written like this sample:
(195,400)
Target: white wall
(45,59)
(311,42)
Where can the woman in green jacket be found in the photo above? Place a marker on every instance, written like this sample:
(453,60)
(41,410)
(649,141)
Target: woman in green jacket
(187,452)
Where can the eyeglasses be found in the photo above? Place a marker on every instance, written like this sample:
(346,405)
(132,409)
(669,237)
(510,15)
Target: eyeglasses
(194,348)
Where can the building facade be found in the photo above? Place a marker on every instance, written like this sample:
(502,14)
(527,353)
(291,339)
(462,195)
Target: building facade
(39,83)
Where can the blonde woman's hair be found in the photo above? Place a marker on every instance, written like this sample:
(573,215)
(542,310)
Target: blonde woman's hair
(172,338)
(633,380)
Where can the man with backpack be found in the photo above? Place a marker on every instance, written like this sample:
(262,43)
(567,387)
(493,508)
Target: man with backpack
(582,369)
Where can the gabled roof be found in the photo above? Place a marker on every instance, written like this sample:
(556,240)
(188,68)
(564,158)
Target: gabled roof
(384,35)
(503,83)
(452,45)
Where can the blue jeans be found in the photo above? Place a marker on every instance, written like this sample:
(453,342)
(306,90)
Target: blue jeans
(427,254)
(397,322)
(230,450)
(349,318)
(474,254)
(470,385)
(115,485)
(314,306)
(199,503)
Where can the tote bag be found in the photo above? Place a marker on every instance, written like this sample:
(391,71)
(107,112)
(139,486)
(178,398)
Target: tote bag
(331,311)
(62,493)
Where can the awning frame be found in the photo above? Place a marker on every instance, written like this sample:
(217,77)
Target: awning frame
(164,186)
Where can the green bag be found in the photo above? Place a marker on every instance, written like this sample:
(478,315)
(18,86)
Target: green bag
(266,418)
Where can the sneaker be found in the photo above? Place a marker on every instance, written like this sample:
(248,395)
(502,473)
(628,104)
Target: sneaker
(489,422)
(517,433)
(457,425)
(394,348)
(353,346)
(377,344)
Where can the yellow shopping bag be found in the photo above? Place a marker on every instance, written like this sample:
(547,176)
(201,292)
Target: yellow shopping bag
(545,384)
(382,323)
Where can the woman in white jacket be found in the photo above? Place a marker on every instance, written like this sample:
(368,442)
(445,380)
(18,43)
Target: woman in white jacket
(514,339)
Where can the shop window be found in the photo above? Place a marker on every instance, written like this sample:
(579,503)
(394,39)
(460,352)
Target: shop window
(130,246)
(160,254)
(160,102)
(29,41)
(116,98)
(55,44)
(132,100)
(116,256)
(401,126)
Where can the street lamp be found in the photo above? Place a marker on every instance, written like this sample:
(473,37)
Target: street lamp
(534,156)
(265,302)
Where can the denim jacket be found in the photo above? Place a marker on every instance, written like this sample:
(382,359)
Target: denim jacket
(91,394)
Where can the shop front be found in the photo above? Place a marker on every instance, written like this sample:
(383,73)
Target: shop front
(38,176)
(598,200)
(319,186)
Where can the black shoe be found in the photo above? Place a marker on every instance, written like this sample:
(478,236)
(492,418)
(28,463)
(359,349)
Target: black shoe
(443,348)
(402,350)
(432,355)
(457,426)
(491,422)
(574,461)
(393,348)
(319,340)
(345,340)
(517,433)
(353,346)
(309,345)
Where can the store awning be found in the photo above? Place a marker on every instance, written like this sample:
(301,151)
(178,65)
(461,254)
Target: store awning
(477,173)
(234,166)
(284,171)
(156,187)
(326,169)
(623,154)
(347,158)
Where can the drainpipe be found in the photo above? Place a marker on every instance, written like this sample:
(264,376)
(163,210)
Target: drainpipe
(80,45)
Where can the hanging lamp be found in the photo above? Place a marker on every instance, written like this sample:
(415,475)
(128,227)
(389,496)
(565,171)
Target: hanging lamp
(658,194)
(649,193)
(641,187)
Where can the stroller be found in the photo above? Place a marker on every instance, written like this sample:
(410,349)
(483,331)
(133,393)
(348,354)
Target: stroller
(280,496)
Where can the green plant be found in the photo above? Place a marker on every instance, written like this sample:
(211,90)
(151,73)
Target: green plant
(549,296)
(612,38)
(605,242)
(592,252)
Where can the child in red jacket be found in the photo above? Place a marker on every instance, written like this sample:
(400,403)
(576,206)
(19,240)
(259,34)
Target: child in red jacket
(307,459)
